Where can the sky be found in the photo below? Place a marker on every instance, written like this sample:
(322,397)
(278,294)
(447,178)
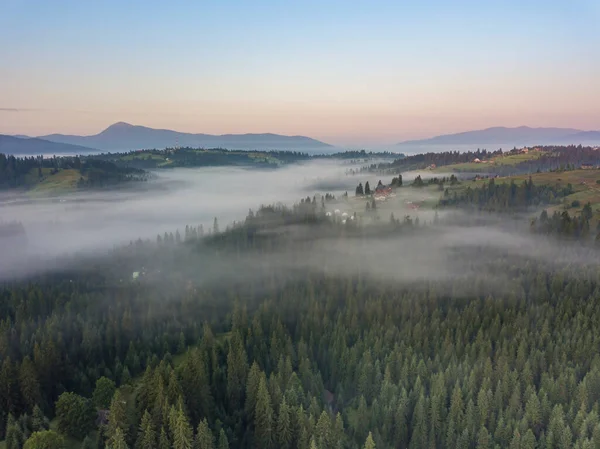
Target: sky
(348,73)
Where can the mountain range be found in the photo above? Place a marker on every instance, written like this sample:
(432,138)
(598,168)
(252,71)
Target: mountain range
(30,146)
(522,135)
(124,137)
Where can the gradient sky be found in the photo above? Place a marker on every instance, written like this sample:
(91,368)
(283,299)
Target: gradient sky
(347,72)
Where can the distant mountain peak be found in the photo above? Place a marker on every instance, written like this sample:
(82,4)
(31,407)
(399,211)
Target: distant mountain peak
(121,125)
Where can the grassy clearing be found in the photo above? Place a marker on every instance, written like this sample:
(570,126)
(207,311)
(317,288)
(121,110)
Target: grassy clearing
(60,182)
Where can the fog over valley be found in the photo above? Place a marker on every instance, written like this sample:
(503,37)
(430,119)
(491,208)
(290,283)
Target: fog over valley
(281,225)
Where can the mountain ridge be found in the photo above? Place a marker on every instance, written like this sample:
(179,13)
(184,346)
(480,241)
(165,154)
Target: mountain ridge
(122,136)
(521,135)
(19,146)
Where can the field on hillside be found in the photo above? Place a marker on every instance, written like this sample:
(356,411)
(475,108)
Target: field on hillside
(62,181)
(488,165)
(585,183)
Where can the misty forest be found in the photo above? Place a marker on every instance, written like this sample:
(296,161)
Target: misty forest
(212,299)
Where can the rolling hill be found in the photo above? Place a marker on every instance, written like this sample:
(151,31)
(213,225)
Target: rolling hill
(124,137)
(522,135)
(19,146)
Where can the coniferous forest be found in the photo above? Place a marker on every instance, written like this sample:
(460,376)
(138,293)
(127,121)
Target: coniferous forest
(251,337)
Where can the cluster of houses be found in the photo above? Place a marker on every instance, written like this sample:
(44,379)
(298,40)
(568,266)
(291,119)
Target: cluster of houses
(382,192)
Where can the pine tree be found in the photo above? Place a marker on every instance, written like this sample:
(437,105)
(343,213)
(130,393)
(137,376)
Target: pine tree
(284,426)
(236,371)
(528,440)
(463,441)
(39,421)
(483,439)
(323,431)
(263,417)
(252,384)
(117,440)
(174,391)
(533,412)
(163,440)
(117,416)
(419,437)
(223,442)
(29,384)
(14,434)
(369,443)
(182,432)
(147,435)
(515,443)
(204,437)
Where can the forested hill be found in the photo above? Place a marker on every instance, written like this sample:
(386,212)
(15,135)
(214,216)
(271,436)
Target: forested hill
(63,174)
(200,157)
(67,173)
(313,337)
(503,163)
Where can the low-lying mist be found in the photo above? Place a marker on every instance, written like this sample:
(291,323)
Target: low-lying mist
(95,221)
(91,224)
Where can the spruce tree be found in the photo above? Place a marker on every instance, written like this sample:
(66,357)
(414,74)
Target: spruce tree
(236,371)
(369,443)
(204,437)
(263,417)
(163,440)
(39,421)
(146,435)
(183,435)
(323,431)
(117,440)
(29,384)
(117,416)
(284,426)
(252,384)
(223,442)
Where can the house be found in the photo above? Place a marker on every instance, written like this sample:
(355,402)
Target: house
(382,192)
(477,160)
(588,166)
